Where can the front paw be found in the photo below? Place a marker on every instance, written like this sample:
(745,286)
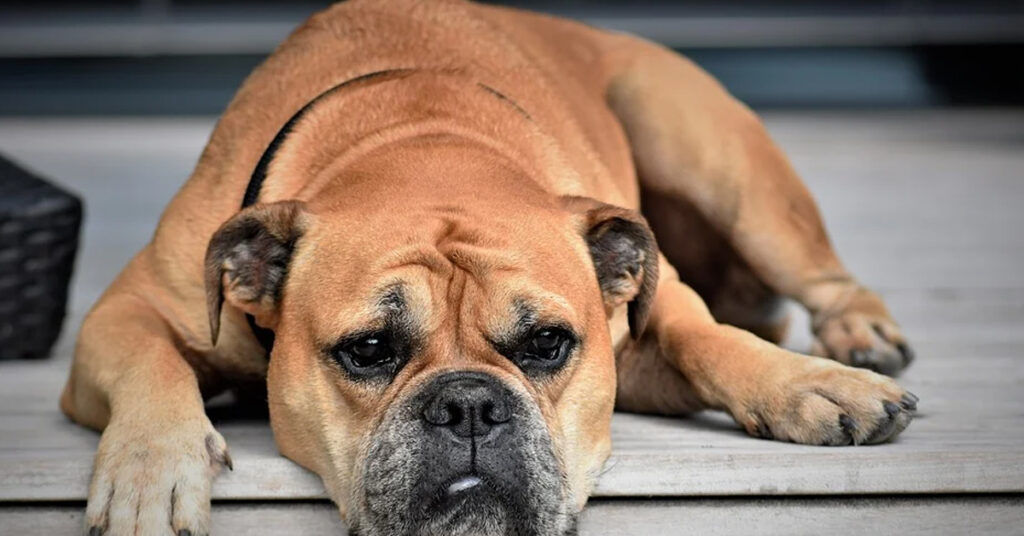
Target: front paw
(153,476)
(817,402)
(862,334)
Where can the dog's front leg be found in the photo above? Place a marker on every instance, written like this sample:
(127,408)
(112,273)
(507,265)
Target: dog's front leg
(771,392)
(159,452)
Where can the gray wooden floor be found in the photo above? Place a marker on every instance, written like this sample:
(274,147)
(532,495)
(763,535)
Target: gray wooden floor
(923,206)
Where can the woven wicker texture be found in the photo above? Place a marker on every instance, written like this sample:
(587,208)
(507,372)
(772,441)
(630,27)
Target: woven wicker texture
(39,225)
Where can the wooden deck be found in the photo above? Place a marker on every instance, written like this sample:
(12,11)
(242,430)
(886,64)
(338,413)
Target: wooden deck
(925,207)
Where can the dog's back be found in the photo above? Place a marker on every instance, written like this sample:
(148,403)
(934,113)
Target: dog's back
(553,68)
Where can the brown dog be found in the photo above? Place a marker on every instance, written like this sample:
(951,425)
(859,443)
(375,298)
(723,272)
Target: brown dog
(442,236)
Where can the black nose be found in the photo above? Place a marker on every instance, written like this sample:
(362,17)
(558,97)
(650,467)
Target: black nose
(468,405)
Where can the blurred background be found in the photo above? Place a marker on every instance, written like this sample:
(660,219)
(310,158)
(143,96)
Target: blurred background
(188,56)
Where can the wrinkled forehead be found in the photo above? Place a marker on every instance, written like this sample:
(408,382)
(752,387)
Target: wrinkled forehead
(419,270)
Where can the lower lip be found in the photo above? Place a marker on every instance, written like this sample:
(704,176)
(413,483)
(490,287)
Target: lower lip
(465,483)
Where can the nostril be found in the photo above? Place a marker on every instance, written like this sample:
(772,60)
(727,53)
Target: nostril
(442,414)
(495,413)
(454,414)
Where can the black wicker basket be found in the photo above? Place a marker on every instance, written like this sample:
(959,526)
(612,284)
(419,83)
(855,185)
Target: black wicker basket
(38,240)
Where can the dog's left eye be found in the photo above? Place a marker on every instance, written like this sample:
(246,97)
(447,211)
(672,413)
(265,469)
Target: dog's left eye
(545,344)
(365,355)
(546,349)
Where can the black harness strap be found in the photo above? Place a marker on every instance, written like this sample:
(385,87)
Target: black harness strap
(259,175)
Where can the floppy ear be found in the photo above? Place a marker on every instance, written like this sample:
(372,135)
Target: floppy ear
(247,260)
(625,256)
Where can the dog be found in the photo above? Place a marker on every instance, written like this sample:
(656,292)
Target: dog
(450,239)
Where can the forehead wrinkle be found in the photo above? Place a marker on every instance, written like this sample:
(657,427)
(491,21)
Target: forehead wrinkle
(415,254)
(482,263)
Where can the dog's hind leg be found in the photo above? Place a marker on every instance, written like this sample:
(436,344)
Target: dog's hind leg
(158,453)
(709,264)
(697,146)
(686,361)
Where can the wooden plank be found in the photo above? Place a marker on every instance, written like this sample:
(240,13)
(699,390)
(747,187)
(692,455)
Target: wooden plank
(672,458)
(905,516)
(861,515)
(966,439)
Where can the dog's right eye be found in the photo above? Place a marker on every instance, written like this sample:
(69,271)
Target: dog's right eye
(369,352)
(367,355)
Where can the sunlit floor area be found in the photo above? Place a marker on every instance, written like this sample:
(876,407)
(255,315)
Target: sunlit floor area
(923,206)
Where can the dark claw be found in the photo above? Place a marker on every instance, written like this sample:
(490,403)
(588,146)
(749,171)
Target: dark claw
(764,432)
(95,531)
(184,532)
(906,352)
(858,357)
(909,401)
(891,409)
(848,425)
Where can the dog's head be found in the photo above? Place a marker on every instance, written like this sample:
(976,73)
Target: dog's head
(442,358)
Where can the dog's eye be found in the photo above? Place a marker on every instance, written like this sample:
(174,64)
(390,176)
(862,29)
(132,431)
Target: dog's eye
(545,344)
(369,351)
(365,354)
(547,349)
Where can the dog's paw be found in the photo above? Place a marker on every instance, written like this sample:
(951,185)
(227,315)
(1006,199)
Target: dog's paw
(862,334)
(153,477)
(817,402)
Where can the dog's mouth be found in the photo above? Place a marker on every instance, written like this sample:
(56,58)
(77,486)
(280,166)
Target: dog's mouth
(463,485)
(461,492)
(471,504)
(464,455)
(458,493)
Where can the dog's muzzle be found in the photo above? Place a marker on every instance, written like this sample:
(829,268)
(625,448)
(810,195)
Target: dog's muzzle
(465,454)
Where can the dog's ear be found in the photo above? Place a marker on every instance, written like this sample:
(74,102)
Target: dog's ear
(625,256)
(247,260)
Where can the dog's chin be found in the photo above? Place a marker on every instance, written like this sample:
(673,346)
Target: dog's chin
(480,520)
(477,511)
(480,512)
(463,506)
